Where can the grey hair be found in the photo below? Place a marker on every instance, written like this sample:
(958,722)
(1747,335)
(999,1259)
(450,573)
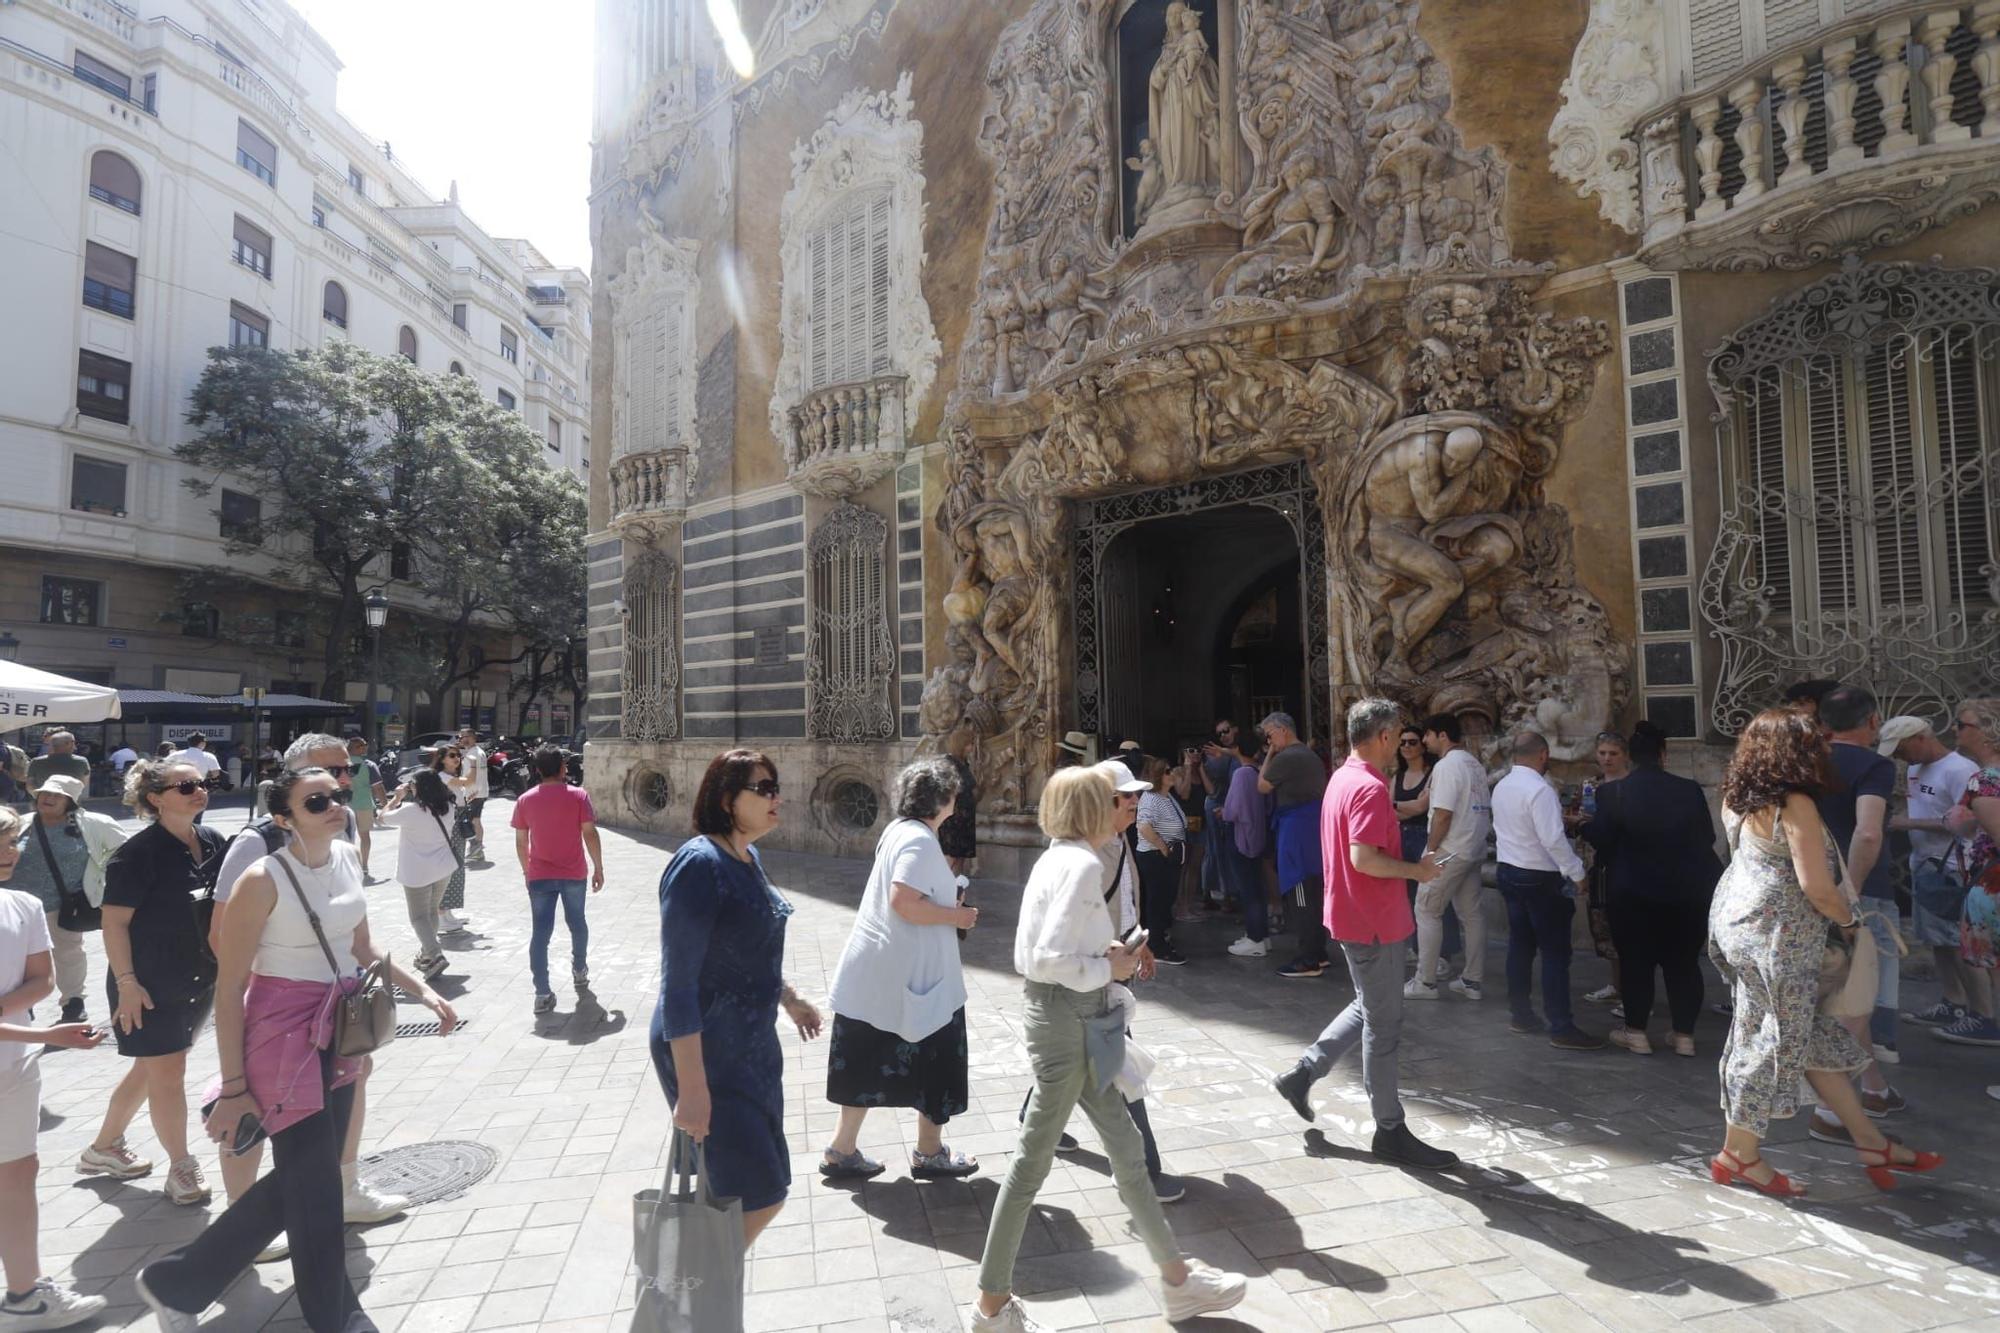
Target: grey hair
(1280,720)
(1985,711)
(1369,718)
(296,752)
(54,738)
(1528,744)
(924,788)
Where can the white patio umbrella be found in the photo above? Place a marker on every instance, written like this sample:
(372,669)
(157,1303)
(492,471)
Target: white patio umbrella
(30,698)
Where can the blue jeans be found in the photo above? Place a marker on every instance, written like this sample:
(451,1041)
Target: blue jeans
(1243,876)
(542,897)
(1888,985)
(1539,913)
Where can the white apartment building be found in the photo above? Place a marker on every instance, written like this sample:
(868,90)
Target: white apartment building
(175,176)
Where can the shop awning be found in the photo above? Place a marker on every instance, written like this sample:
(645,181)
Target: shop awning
(288,703)
(31,698)
(159,698)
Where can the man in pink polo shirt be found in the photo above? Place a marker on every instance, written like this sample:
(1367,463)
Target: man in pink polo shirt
(1368,915)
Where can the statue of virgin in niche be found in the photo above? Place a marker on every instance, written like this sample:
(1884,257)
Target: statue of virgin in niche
(1183,107)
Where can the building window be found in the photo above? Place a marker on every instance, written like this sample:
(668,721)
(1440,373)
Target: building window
(253,248)
(256,154)
(100,75)
(510,347)
(406,343)
(288,628)
(114,181)
(399,560)
(72,601)
(108,279)
(458,313)
(457,369)
(333,305)
(1863,457)
(152,94)
(555,435)
(97,487)
(355,181)
(199,620)
(850,654)
(103,387)
(247,328)
(651,688)
(319,215)
(847,265)
(242,516)
(506,400)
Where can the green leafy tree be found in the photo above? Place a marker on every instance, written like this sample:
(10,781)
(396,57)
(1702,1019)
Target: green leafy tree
(354,456)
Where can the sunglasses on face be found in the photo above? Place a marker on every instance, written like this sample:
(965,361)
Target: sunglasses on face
(320,802)
(186,787)
(339,771)
(764,787)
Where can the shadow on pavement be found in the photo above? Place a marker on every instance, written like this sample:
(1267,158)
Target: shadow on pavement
(590,1021)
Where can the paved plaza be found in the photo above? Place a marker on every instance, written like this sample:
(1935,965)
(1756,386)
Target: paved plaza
(1584,1202)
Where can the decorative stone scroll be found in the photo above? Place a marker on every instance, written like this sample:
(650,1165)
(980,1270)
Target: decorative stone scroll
(1614,78)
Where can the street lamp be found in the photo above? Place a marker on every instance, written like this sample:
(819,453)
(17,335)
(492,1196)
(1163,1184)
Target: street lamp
(375,604)
(10,647)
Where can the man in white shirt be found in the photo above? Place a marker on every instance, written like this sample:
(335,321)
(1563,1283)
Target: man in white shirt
(122,756)
(1934,783)
(474,767)
(1541,877)
(196,753)
(1461,817)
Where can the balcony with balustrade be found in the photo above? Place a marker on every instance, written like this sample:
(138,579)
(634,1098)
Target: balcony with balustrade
(844,437)
(1865,135)
(648,495)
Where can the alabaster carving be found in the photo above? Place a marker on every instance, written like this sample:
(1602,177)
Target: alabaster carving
(653,300)
(1614,78)
(1427,416)
(869,143)
(1184,113)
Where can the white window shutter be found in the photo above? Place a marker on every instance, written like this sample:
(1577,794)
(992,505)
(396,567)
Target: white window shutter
(1715,36)
(1892,485)
(1787,20)
(1827,480)
(878,285)
(671,353)
(1969,523)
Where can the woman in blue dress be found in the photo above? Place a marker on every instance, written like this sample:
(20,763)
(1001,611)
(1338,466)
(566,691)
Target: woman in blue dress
(722,953)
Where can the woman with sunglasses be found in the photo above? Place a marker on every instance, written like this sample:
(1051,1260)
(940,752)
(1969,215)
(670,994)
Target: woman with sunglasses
(279,1074)
(722,952)
(162,978)
(426,859)
(448,762)
(1410,789)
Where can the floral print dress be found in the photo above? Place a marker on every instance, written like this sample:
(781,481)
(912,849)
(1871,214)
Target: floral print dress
(1979,924)
(1767,941)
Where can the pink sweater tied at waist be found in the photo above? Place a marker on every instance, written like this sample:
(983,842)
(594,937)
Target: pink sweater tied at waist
(286,1024)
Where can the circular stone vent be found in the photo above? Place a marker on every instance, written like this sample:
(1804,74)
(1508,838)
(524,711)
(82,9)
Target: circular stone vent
(854,805)
(651,792)
(427,1172)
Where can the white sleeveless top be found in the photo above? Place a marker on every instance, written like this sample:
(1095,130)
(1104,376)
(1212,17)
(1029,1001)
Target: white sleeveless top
(289,948)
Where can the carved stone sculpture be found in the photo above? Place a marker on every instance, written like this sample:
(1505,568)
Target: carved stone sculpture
(1184,112)
(1613,78)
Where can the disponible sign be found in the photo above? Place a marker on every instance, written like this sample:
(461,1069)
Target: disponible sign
(215,732)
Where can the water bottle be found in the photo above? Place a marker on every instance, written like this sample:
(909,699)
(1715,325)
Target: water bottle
(1589,802)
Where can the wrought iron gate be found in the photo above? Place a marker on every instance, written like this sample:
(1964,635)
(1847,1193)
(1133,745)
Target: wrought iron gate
(1286,488)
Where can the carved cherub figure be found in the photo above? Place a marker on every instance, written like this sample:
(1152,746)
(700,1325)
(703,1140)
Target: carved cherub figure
(1147,164)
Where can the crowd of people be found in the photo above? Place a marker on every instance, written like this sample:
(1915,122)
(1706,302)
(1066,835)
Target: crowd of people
(1384,859)
(262,939)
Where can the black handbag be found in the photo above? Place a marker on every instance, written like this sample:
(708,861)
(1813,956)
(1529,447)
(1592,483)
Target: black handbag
(73,912)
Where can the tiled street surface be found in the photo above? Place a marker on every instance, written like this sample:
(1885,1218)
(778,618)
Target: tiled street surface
(1584,1202)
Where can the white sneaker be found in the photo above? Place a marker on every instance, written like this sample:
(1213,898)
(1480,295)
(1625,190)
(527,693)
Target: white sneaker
(48,1305)
(363,1203)
(1471,990)
(185,1183)
(1416,988)
(1206,1291)
(1249,948)
(1603,995)
(276,1250)
(118,1161)
(450,922)
(1013,1318)
(170,1319)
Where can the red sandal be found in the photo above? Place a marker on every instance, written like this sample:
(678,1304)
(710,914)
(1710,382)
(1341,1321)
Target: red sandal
(1881,1173)
(1725,1168)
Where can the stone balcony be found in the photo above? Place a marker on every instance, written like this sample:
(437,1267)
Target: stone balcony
(845,437)
(1866,136)
(649,495)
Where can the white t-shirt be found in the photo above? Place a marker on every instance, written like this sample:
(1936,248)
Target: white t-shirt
(473,761)
(423,853)
(122,756)
(895,976)
(1934,788)
(24,932)
(1458,784)
(201,759)
(288,947)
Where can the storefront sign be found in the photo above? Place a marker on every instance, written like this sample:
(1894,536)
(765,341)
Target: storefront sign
(214,731)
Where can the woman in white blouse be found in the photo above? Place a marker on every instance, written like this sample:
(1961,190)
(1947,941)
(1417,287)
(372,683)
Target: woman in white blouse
(898,993)
(1162,842)
(1066,948)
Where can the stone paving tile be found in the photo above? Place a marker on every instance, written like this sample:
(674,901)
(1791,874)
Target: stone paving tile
(1584,1202)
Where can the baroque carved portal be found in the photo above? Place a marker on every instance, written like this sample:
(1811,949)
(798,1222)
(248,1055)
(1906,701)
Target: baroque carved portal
(1350,305)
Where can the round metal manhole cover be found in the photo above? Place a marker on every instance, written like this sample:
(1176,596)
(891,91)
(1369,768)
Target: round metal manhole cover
(427,1172)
